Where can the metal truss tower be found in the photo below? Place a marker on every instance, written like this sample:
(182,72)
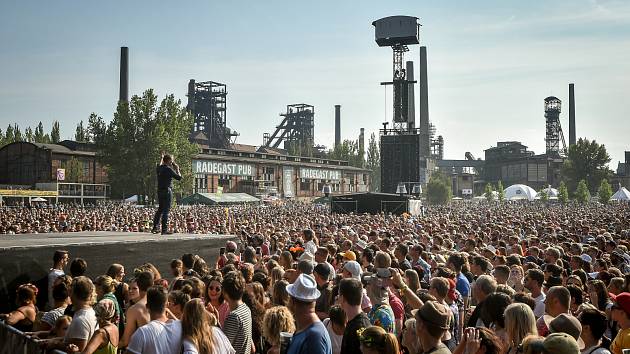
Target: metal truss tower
(207,103)
(297,129)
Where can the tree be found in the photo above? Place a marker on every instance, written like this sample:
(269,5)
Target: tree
(586,160)
(374,163)
(438,189)
(488,192)
(17,134)
(563,193)
(96,129)
(348,150)
(28,135)
(54,133)
(40,136)
(80,134)
(137,135)
(604,192)
(9,135)
(544,197)
(581,193)
(501,191)
(74,170)
(2,139)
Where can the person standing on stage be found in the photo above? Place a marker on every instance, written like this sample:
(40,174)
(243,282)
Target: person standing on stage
(166,171)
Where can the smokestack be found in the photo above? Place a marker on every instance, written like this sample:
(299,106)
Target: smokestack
(425,137)
(571,115)
(362,141)
(124,74)
(411,112)
(337,125)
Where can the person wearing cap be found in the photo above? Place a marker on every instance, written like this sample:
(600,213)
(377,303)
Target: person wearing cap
(381,313)
(565,323)
(321,274)
(432,321)
(311,335)
(348,256)
(560,343)
(350,295)
(620,313)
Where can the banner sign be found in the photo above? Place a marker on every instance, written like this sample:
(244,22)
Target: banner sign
(316,173)
(26,193)
(61,174)
(288,181)
(222,168)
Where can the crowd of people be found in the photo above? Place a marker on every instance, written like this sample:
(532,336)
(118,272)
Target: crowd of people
(469,278)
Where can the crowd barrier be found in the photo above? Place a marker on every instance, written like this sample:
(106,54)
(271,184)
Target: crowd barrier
(13,341)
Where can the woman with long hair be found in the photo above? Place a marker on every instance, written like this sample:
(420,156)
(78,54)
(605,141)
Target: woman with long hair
(412,279)
(105,287)
(493,312)
(277,319)
(286,260)
(598,293)
(258,311)
(520,322)
(375,340)
(117,272)
(214,299)
(24,316)
(201,336)
(280,296)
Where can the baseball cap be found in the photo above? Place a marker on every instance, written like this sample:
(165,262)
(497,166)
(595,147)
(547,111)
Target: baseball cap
(560,343)
(354,268)
(348,255)
(622,302)
(322,269)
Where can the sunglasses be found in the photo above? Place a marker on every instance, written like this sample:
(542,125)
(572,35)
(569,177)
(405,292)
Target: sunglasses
(217,288)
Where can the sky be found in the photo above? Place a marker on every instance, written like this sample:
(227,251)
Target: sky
(491,63)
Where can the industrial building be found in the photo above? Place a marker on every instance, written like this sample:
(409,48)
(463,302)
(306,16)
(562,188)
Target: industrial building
(29,170)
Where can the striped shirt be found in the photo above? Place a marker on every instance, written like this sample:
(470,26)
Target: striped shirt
(238,329)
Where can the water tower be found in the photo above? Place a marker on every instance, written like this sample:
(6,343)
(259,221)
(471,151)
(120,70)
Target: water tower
(553,135)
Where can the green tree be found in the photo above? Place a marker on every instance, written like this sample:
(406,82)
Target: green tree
(40,136)
(604,192)
(2,138)
(9,135)
(488,192)
(438,189)
(348,150)
(586,160)
(544,197)
(96,129)
(17,134)
(74,171)
(374,163)
(563,193)
(28,135)
(582,195)
(501,191)
(81,134)
(137,135)
(54,133)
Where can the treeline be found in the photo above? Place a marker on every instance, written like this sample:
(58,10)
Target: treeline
(14,133)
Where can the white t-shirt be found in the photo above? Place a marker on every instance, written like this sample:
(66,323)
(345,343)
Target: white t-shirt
(220,344)
(592,350)
(83,325)
(311,247)
(335,339)
(52,276)
(540,305)
(157,337)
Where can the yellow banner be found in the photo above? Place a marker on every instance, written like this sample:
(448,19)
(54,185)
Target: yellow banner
(26,193)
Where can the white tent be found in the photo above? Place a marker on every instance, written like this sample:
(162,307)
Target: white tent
(132,200)
(621,194)
(552,193)
(519,192)
(38,199)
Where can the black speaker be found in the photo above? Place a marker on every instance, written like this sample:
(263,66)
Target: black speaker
(400,160)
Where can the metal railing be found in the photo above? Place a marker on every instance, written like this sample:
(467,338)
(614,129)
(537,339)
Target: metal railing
(15,341)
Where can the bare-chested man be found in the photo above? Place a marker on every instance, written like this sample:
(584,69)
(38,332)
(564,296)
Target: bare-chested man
(137,315)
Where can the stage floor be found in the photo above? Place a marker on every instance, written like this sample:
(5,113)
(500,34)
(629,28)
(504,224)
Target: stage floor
(28,257)
(87,238)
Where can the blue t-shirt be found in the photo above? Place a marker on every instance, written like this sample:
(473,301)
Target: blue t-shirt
(463,285)
(312,340)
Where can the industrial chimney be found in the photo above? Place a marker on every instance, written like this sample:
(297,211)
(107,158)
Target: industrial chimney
(571,115)
(425,135)
(362,141)
(124,74)
(337,125)
(411,108)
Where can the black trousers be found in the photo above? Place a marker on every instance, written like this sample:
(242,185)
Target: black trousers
(165,196)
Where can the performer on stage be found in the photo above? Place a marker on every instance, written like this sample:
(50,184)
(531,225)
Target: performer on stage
(166,171)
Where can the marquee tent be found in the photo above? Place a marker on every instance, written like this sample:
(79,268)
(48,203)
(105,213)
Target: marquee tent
(552,193)
(215,198)
(519,192)
(621,195)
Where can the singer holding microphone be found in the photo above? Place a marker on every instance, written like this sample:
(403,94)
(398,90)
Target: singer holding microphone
(166,171)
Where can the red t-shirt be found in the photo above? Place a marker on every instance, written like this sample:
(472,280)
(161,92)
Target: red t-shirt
(397,306)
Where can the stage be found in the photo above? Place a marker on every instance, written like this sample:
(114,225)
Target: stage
(28,257)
